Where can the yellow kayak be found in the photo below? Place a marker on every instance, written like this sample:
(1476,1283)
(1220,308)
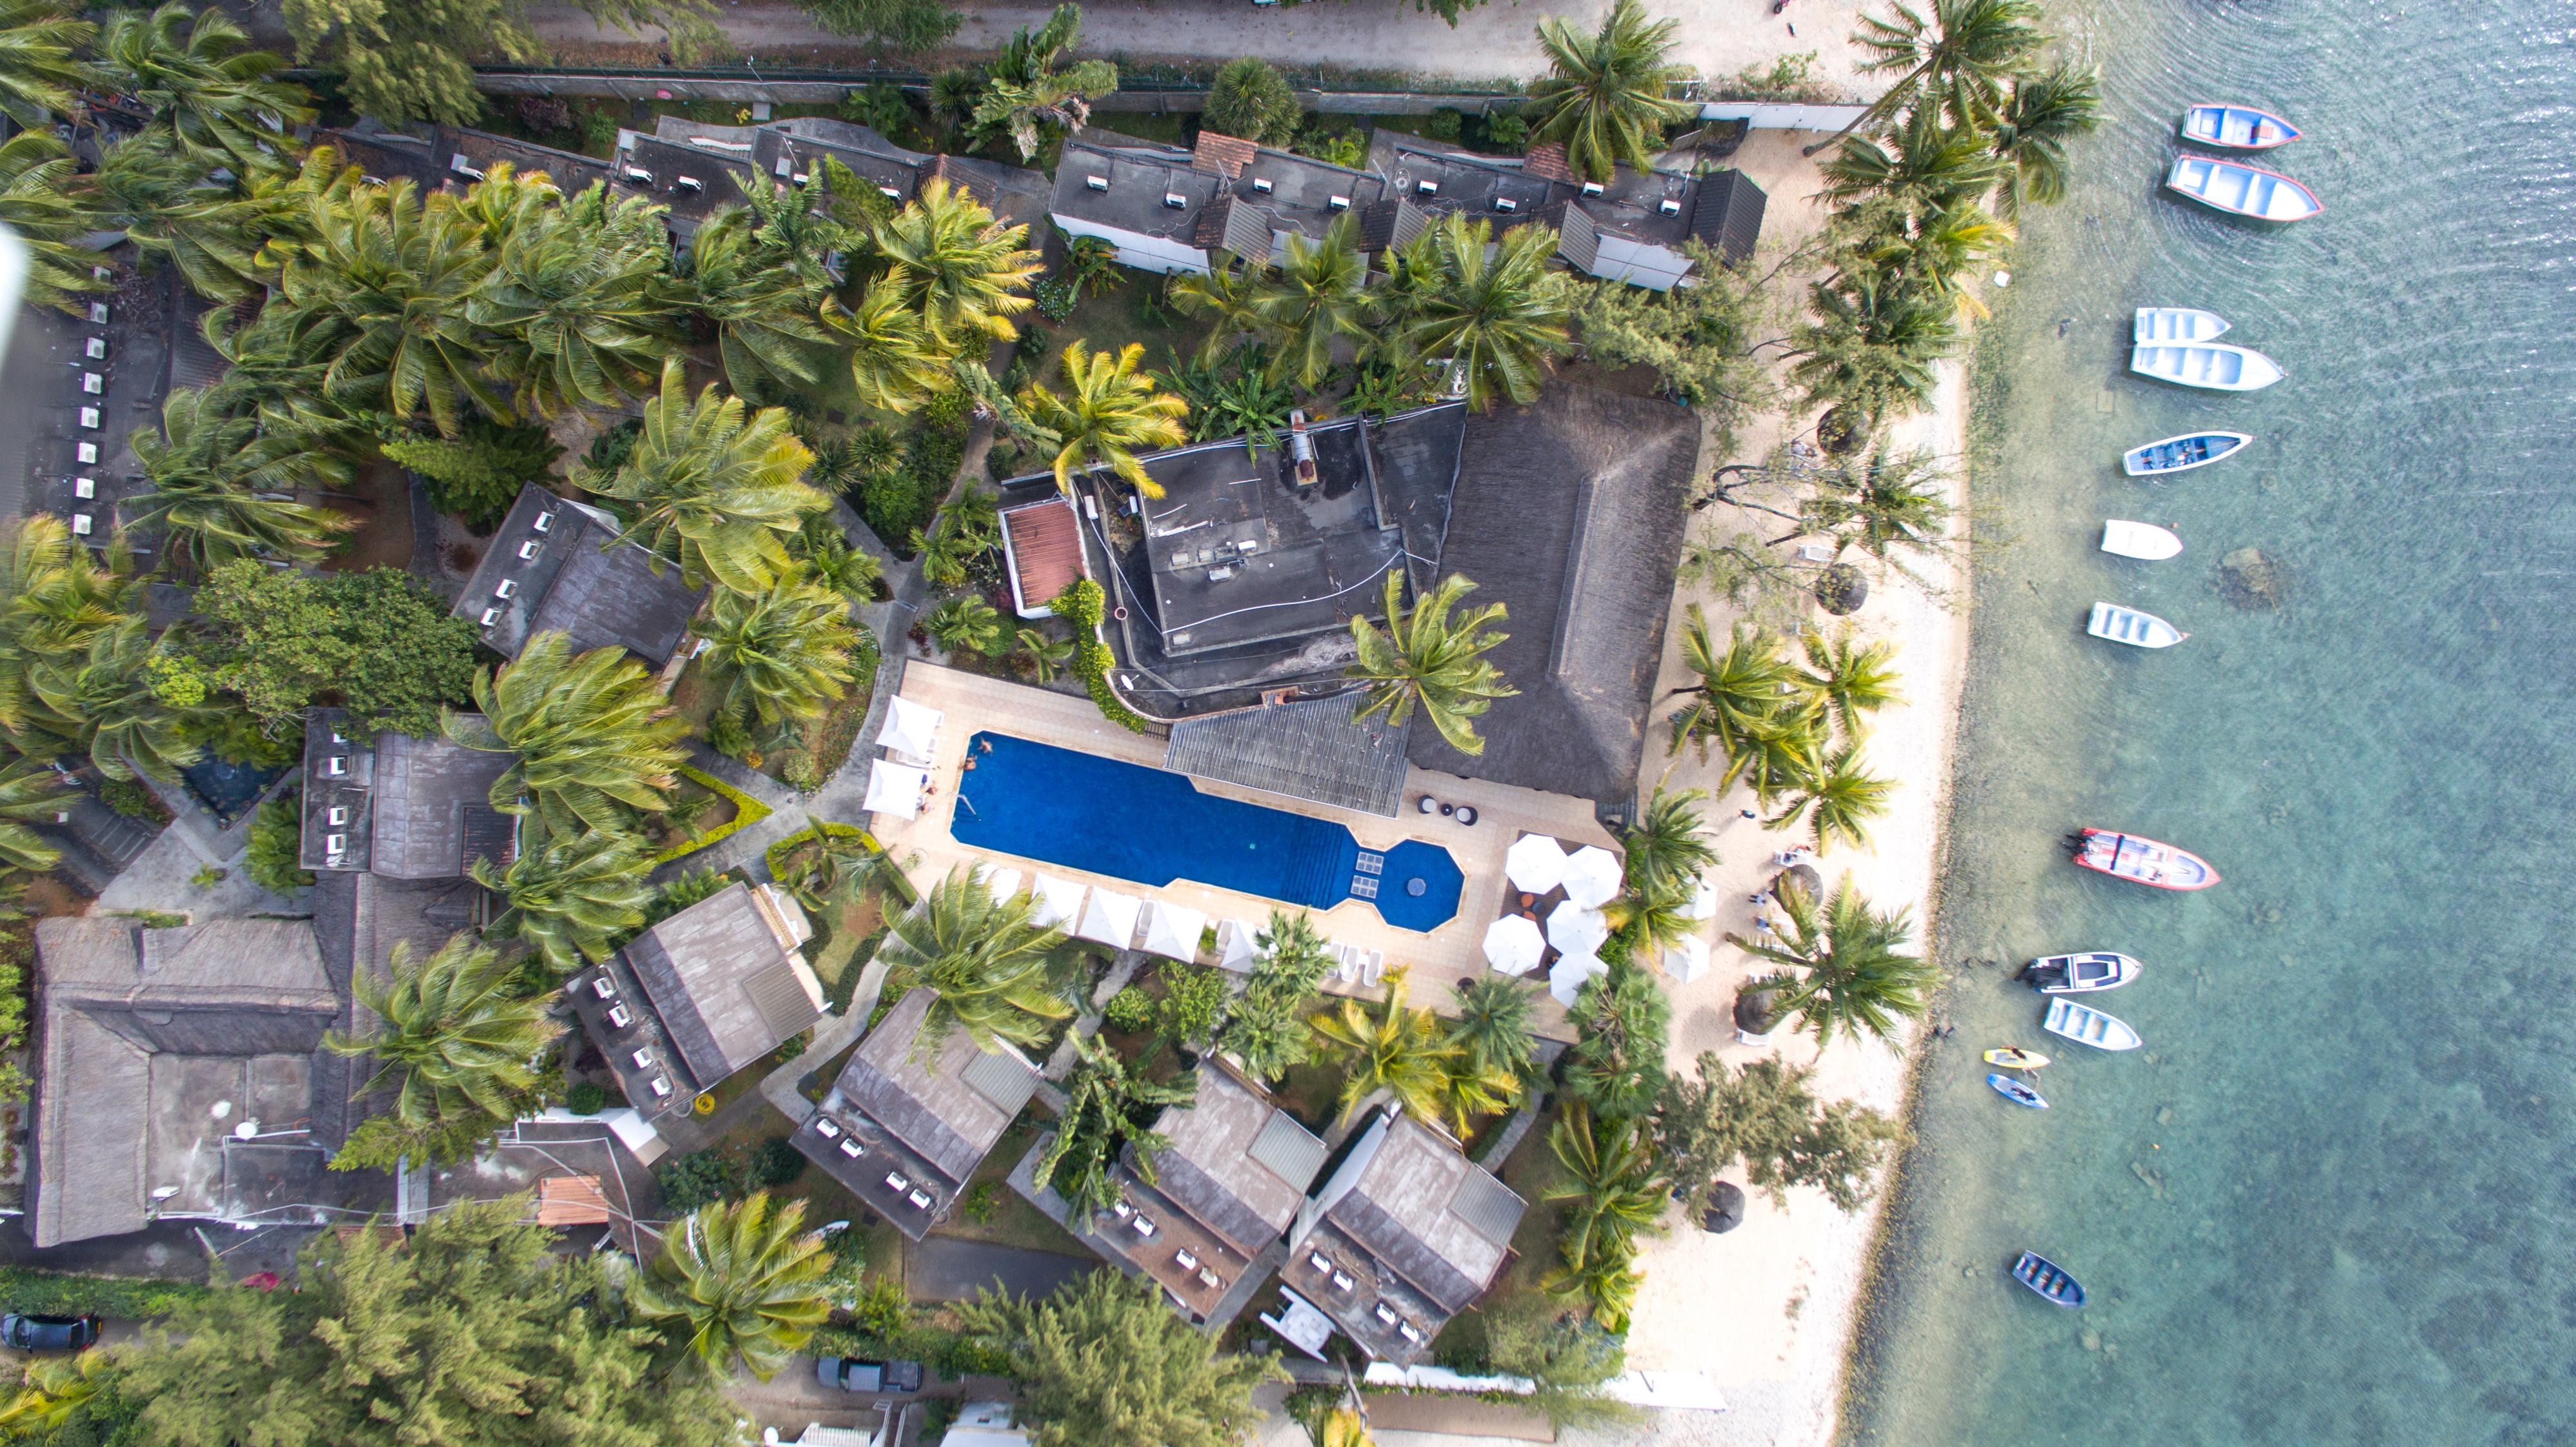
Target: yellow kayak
(2011,1058)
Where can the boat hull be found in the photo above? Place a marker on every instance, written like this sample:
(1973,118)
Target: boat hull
(2087,1026)
(2183,453)
(2080,974)
(2016,1092)
(2236,128)
(2176,324)
(2242,190)
(2214,366)
(2143,541)
(2143,861)
(2129,626)
(2048,1280)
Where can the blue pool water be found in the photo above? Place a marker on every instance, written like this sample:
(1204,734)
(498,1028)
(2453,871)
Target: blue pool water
(1154,826)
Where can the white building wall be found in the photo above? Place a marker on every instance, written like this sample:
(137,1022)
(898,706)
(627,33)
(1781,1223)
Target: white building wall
(1145,253)
(1639,263)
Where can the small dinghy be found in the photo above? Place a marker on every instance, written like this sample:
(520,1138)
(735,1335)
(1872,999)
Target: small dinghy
(2182,454)
(2016,1092)
(2079,974)
(2142,861)
(2238,128)
(2013,1057)
(2218,366)
(2128,625)
(2176,324)
(2139,540)
(2242,190)
(2048,1279)
(2087,1026)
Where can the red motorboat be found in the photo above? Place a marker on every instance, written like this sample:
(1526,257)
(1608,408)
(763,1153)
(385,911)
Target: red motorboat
(2142,861)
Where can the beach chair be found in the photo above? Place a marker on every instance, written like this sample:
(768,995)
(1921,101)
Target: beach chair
(1373,970)
(1347,963)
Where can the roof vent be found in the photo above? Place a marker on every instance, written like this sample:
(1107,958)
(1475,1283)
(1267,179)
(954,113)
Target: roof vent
(505,588)
(336,767)
(336,815)
(544,520)
(491,616)
(690,184)
(463,165)
(1670,207)
(528,550)
(1426,188)
(1506,203)
(1096,183)
(1591,188)
(1261,184)
(1175,200)
(1337,203)
(639,175)
(890,193)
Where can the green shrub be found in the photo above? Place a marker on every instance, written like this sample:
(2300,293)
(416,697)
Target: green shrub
(697,1179)
(1055,299)
(585,1098)
(610,449)
(880,107)
(1082,605)
(1445,125)
(476,475)
(118,1298)
(599,133)
(1250,99)
(774,1162)
(238,736)
(1507,131)
(1129,1012)
(129,798)
(982,1203)
(276,840)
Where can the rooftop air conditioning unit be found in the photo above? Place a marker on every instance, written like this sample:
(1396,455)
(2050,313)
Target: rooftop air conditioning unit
(338,737)
(95,349)
(98,314)
(1591,188)
(87,452)
(1337,203)
(619,1017)
(544,520)
(639,175)
(337,815)
(92,383)
(528,550)
(852,1148)
(89,418)
(84,487)
(1096,183)
(1175,200)
(505,588)
(463,165)
(336,767)
(662,1085)
(1262,186)
(826,1127)
(80,524)
(1426,188)
(890,193)
(336,843)
(1506,203)
(643,1059)
(491,616)
(604,987)
(690,184)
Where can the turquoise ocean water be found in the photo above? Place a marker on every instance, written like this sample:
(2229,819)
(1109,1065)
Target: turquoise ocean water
(2330,1202)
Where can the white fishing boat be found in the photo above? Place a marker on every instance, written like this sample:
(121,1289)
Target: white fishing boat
(2242,190)
(2183,453)
(2238,128)
(2125,539)
(2218,366)
(2128,625)
(2087,1026)
(2176,324)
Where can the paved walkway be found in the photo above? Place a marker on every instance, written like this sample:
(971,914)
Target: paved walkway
(944,1268)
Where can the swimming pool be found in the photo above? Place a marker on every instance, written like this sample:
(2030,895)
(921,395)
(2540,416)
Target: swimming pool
(1153,826)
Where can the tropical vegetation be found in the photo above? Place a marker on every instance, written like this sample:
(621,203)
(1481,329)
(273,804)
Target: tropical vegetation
(1431,657)
(452,1053)
(1843,965)
(593,744)
(988,959)
(1605,98)
(1106,1363)
(1109,1107)
(1766,1115)
(738,1281)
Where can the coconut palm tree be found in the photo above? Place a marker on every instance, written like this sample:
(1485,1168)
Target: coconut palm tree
(1667,852)
(216,485)
(456,1036)
(596,743)
(1924,165)
(1621,1021)
(835,865)
(1432,660)
(712,489)
(1494,1025)
(1469,1092)
(1845,966)
(767,309)
(1027,98)
(54,598)
(101,700)
(1742,692)
(56,1389)
(1496,319)
(967,625)
(578,298)
(29,791)
(986,957)
(1319,299)
(570,899)
(831,562)
(1872,344)
(214,98)
(1229,293)
(2044,112)
(41,72)
(1607,1283)
(1613,1190)
(744,1279)
(1109,409)
(1604,96)
(782,653)
(39,202)
(213,236)
(1956,58)
(1402,1051)
(1889,503)
(896,364)
(1854,679)
(1839,800)
(965,272)
(1107,1107)
(1047,655)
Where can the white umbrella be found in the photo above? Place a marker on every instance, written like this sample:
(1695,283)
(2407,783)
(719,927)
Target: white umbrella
(1688,960)
(1110,919)
(1513,944)
(1535,863)
(1234,945)
(1565,978)
(911,730)
(1002,882)
(1591,875)
(895,789)
(1703,900)
(1059,902)
(1173,932)
(1576,929)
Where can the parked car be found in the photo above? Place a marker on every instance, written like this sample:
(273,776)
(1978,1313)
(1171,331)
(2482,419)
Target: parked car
(52,1333)
(853,1375)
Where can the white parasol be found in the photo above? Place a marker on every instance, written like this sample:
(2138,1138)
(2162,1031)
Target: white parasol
(895,789)
(1592,875)
(1576,929)
(1110,919)
(1172,931)
(1059,902)
(1535,863)
(1565,978)
(1513,944)
(911,731)
(1688,960)
(1234,945)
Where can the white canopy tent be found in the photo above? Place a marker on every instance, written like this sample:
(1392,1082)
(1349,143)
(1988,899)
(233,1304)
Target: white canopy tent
(1173,931)
(1513,944)
(1591,876)
(1565,978)
(1688,960)
(1576,929)
(1234,945)
(1059,902)
(1535,863)
(895,789)
(1109,918)
(911,731)
(1703,900)
(1002,882)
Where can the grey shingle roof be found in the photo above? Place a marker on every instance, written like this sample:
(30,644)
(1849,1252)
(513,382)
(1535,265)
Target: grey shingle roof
(1728,214)
(580,582)
(1236,1161)
(926,1104)
(1307,749)
(419,802)
(726,989)
(1400,1209)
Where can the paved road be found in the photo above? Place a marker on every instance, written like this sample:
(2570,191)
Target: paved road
(946,1269)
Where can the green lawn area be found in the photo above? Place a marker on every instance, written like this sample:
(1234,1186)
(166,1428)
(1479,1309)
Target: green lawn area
(1009,1220)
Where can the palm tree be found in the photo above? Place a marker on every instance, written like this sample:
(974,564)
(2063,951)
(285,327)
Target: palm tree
(215,97)
(569,899)
(1608,1283)
(101,701)
(28,791)
(2044,113)
(1235,400)
(767,316)
(1320,298)
(596,742)
(835,865)
(1027,98)
(1109,408)
(1846,968)
(1230,294)
(966,625)
(1106,1107)
(54,598)
(715,491)
(1955,60)
(212,236)
(1872,344)
(896,363)
(1493,1030)
(1667,853)
(578,297)
(986,958)
(782,653)
(1923,166)
(41,72)
(1893,501)
(1403,1052)
(38,202)
(744,1278)
(456,1037)
(1854,679)
(1048,656)
(1621,1021)
(216,485)
(1496,319)
(1844,799)
(830,561)
(56,1388)
(1432,660)
(967,273)
(1614,1189)
(1606,90)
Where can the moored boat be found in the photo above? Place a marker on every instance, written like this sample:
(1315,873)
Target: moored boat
(2016,1092)
(2079,974)
(2176,324)
(2087,1026)
(2048,1279)
(2013,1057)
(2142,861)
(2238,128)
(2217,366)
(2125,539)
(2128,625)
(2182,454)
(2242,190)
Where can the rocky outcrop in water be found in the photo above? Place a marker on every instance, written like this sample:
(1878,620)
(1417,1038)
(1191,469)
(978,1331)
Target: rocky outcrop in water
(2249,579)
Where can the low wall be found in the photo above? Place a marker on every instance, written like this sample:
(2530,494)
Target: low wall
(744,90)
(1780,116)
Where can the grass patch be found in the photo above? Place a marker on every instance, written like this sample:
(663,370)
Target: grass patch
(716,824)
(823,743)
(1009,1219)
(118,1298)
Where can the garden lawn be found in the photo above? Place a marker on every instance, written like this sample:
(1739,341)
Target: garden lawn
(1009,1219)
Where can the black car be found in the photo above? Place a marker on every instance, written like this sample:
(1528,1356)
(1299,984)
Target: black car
(48,1333)
(853,1375)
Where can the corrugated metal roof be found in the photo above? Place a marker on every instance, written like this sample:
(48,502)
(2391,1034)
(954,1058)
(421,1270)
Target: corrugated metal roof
(1308,749)
(1290,1151)
(1488,1207)
(1002,1078)
(781,1000)
(1728,215)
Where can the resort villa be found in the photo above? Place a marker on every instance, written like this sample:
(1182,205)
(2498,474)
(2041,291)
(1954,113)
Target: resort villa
(555,566)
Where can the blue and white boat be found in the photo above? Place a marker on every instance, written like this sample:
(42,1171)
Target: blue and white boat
(2183,453)
(2048,1279)
(2016,1092)
(2238,128)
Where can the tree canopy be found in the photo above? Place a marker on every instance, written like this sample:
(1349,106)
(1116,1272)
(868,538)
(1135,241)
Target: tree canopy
(1105,1363)
(377,643)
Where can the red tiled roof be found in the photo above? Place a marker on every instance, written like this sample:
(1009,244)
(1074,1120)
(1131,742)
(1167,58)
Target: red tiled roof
(571,1201)
(1224,155)
(1547,162)
(1046,551)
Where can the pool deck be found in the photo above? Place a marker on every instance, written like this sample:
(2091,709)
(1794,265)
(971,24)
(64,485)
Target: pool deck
(1454,951)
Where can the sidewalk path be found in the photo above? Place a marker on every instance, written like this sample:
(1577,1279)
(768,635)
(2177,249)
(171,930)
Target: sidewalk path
(944,1268)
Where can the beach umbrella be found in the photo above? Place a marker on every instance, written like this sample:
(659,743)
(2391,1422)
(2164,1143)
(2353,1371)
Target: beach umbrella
(895,789)
(1576,929)
(1565,978)
(911,730)
(1725,1209)
(1703,900)
(1805,876)
(1535,863)
(1059,902)
(1234,945)
(1002,882)
(1591,876)
(1756,1016)
(1513,944)
(1109,918)
(1172,931)
(1688,960)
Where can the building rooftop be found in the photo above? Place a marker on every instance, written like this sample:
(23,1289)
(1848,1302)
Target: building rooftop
(924,1118)
(435,157)
(1305,748)
(1042,542)
(555,566)
(701,995)
(694,168)
(1236,1161)
(409,808)
(1235,196)
(1629,228)
(1418,1229)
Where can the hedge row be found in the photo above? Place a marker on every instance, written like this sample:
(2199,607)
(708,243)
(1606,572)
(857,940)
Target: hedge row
(1081,605)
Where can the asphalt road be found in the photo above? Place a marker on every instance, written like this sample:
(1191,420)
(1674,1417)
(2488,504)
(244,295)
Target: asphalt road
(946,1269)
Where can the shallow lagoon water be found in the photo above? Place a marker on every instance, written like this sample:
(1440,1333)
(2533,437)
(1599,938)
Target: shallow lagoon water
(2331,1200)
